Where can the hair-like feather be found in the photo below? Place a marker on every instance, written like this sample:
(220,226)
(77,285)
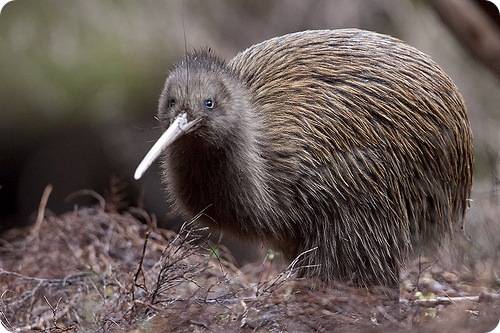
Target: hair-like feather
(346,140)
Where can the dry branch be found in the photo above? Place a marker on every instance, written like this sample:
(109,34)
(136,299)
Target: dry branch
(432,302)
(473,28)
(444,300)
(90,193)
(41,209)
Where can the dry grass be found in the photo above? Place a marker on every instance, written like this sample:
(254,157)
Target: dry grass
(92,270)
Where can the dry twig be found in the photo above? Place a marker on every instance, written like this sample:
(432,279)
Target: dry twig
(41,210)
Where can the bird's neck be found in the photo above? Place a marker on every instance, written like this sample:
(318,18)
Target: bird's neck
(230,178)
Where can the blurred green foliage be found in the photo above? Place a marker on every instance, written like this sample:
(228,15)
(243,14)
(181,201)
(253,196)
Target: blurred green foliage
(79,61)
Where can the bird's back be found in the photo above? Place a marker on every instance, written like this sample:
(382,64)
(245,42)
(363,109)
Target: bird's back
(348,77)
(355,118)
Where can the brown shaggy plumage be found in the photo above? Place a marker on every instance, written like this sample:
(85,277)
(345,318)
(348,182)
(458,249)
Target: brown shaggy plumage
(345,140)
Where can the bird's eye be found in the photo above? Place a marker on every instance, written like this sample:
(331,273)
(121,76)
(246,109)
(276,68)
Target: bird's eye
(171,102)
(209,103)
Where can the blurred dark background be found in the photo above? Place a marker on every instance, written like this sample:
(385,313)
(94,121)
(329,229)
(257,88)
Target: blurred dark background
(80,82)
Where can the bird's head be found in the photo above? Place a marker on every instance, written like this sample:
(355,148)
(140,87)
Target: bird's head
(202,100)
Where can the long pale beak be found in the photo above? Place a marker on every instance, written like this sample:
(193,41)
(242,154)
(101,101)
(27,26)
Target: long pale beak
(179,127)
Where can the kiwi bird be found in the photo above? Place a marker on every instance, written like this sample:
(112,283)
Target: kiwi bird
(348,142)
